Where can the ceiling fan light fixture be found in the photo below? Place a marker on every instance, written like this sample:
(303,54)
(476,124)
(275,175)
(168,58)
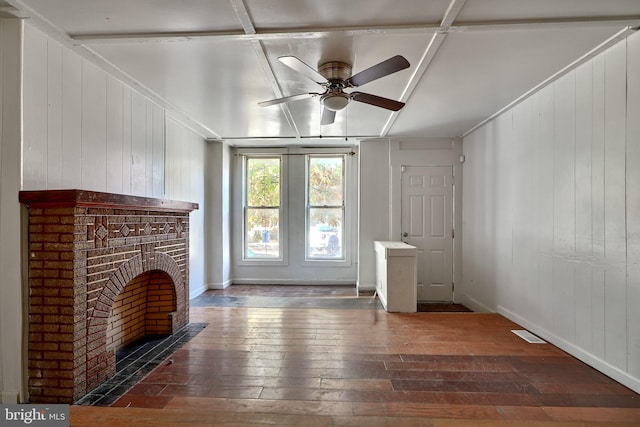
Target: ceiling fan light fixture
(335,101)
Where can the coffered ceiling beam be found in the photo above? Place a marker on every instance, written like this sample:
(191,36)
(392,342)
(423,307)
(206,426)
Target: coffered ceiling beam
(247,24)
(292,34)
(430,52)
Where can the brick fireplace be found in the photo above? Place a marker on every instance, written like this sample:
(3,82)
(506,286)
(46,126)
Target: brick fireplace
(105,270)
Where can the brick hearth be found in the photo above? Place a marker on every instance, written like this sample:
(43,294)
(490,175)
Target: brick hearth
(104,271)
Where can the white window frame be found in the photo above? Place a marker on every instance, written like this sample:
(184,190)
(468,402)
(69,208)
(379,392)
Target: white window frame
(293,202)
(309,206)
(283,215)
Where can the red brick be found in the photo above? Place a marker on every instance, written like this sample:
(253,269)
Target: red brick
(44,219)
(44,327)
(44,364)
(59,338)
(36,265)
(45,309)
(57,247)
(67,346)
(59,355)
(57,318)
(44,382)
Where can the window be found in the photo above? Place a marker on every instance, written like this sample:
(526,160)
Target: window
(262,208)
(293,214)
(325,207)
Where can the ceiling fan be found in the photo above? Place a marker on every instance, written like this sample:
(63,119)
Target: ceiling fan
(336,76)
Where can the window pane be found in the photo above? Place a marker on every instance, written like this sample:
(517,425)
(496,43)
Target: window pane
(263,182)
(325,233)
(325,181)
(263,233)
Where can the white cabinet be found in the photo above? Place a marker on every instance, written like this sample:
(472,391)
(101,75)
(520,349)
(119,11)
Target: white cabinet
(396,276)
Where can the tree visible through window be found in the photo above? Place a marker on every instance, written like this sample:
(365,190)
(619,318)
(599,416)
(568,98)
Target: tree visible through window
(262,208)
(325,207)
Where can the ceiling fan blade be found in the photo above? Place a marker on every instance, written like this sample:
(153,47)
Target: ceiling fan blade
(286,99)
(378,101)
(328,116)
(296,64)
(382,69)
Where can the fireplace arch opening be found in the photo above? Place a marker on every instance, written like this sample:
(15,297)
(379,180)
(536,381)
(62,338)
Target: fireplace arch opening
(142,310)
(144,296)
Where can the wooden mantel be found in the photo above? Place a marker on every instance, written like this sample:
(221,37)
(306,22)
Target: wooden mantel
(96,199)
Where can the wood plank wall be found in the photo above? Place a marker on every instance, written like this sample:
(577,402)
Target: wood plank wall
(85,129)
(551,213)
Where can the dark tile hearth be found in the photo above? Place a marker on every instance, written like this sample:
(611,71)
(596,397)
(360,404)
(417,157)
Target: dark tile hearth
(137,360)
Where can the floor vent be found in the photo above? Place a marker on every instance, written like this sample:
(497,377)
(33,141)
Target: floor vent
(528,336)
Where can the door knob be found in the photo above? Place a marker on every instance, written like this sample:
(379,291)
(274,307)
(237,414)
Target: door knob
(405,234)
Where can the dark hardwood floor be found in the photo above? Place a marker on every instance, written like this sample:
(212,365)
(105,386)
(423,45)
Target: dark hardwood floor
(281,359)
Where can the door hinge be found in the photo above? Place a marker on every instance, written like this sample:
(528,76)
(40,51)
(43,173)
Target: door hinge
(403,169)
(453,233)
(453,286)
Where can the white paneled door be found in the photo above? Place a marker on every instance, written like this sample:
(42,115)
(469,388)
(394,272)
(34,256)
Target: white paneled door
(427,223)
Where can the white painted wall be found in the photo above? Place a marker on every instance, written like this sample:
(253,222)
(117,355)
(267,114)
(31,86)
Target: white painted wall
(82,129)
(374,209)
(184,179)
(381,162)
(551,213)
(218,220)
(11,290)
(85,129)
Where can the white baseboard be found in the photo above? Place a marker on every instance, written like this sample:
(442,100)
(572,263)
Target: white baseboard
(291,282)
(223,285)
(383,299)
(368,287)
(194,292)
(577,352)
(9,397)
(473,304)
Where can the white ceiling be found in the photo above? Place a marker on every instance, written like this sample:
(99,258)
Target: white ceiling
(210,62)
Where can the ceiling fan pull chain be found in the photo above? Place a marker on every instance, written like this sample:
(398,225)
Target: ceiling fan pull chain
(321,118)
(346,125)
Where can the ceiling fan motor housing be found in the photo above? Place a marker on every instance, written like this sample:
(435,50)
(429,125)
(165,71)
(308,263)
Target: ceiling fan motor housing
(335,71)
